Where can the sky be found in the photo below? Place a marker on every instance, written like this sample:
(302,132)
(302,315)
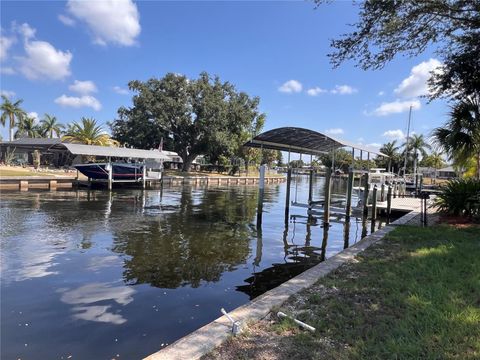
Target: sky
(74,59)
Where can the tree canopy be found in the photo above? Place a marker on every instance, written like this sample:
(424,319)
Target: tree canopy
(388,28)
(201,116)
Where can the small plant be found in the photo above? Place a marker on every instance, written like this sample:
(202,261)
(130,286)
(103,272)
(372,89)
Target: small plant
(36,159)
(9,156)
(460,197)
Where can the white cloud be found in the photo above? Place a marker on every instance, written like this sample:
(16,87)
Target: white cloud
(66,20)
(5,44)
(374,145)
(416,83)
(343,90)
(77,102)
(381,93)
(41,59)
(316,91)
(334,131)
(34,116)
(25,30)
(394,135)
(7,93)
(120,90)
(83,87)
(44,61)
(110,21)
(291,86)
(395,107)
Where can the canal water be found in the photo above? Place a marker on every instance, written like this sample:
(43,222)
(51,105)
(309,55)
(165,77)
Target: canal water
(93,275)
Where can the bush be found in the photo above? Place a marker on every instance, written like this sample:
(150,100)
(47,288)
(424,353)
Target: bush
(460,197)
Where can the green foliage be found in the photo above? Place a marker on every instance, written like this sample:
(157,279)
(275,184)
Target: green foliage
(11,111)
(433,160)
(204,116)
(26,127)
(394,161)
(386,29)
(88,132)
(50,126)
(9,156)
(460,197)
(460,136)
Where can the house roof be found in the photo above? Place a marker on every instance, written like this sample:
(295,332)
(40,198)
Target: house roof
(303,141)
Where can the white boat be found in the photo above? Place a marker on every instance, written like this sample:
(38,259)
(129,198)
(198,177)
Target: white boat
(378,177)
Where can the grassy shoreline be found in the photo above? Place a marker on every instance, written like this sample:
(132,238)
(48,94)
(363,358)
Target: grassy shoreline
(414,295)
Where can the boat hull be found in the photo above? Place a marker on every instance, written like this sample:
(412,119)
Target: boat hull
(120,171)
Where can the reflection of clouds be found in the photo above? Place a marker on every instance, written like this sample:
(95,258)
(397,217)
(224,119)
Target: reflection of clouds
(30,257)
(98,262)
(99,314)
(95,292)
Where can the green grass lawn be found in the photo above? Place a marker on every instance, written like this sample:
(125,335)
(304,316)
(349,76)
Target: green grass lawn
(8,172)
(416,295)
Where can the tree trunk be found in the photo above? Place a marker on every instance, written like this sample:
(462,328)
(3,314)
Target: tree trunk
(187,161)
(12,124)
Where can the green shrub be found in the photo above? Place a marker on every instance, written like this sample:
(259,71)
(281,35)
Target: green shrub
(460,197)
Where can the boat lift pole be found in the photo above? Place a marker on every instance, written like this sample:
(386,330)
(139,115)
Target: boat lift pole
(110,174)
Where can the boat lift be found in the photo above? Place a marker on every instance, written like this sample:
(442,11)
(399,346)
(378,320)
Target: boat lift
(309,142)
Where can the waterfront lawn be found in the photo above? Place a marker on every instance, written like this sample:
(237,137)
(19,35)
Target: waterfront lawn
(414,295)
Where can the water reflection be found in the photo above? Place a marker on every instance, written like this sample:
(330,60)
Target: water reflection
(85,298)
(207,235)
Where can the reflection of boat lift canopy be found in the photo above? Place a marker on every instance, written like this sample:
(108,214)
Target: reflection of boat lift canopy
(305,141)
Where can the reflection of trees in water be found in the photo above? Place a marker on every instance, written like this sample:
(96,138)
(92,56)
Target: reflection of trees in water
(206,236)
(298,258)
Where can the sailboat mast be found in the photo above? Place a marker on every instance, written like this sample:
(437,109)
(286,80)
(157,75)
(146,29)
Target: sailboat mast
(406,145)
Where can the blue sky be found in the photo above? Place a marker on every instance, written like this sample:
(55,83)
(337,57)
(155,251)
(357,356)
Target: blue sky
(73,59)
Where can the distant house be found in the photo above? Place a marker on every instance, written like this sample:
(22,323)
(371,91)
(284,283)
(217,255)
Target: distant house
(446,173)
(57,156)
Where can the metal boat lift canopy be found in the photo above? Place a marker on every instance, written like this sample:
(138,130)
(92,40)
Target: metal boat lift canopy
(303,141)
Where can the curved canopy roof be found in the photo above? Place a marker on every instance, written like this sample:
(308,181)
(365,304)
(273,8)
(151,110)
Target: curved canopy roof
(303,141)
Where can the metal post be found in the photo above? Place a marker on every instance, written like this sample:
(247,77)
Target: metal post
(326,204)
(365,197)
(287,198)
(110,175)
(348,211)
(144,176)
(389,203)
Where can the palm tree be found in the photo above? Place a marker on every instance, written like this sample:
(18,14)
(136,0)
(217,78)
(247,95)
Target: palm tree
(460,136)
(11,111)
(418,145)
(391,151)
(26,127)
(50,126)
(88,132)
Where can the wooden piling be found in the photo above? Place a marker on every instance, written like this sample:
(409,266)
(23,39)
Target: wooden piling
(287,198)
(110,175)
(23,185)
(389,203)
(365,196)
(374,203)
(349,195)
(326,204)
(310,187)
(52,184)
(382,193)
